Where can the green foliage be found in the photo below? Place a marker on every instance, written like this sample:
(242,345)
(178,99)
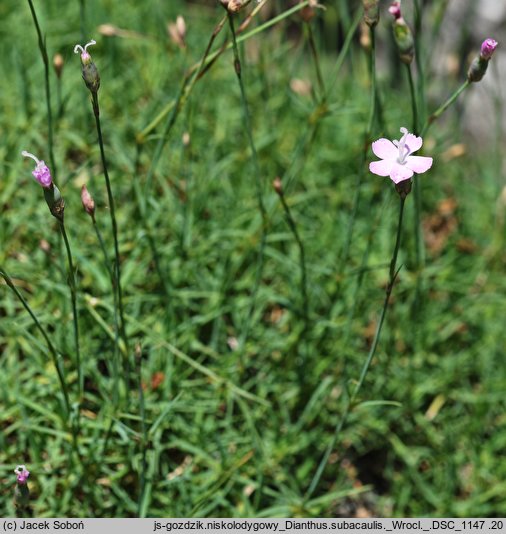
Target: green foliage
(190,425)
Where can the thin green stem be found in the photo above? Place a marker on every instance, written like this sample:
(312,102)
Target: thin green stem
(43,52)
(258,184)
(73,298)
(316,61)
(303,270)
(441,109)
(56,357)
(117,267)
(422,105)
(367,141)
(412,92)
(350,401)
(82,20)
(107,263)
(144,439)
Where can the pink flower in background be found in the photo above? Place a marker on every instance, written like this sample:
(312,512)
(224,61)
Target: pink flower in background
(22,474)
(41,172)
(487,48)
(396,159)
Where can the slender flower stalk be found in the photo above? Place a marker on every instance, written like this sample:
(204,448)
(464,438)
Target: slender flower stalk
(91,78)
(316,61)
(89,207)
(278,187)
(397,163)
(373,111)
(350,401)
(45,60)
(56,205)
(258,184)
(476,72)
(73,296)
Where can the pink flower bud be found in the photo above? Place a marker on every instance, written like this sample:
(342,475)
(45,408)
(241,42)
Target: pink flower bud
(487,48)
(395,9)
(41,172)
(88,202)
(22,474)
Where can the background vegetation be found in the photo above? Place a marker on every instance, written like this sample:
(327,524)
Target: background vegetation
(204,424)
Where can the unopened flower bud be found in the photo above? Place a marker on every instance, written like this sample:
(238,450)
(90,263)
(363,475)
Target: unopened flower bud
(90,72)
(487,48)
(395,10)
(58,64)
(88,202)
(479,65)
(371,12)
(402,34)
(278,186)
(21,492)
(177,32)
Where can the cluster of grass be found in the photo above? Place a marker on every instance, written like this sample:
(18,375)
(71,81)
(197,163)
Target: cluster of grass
(232,384)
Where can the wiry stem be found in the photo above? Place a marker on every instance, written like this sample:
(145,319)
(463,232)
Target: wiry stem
(441,109)
(303,273)
(115,313)
(351,399)
(258,186)
(73,298)
(43,52)
(117,267)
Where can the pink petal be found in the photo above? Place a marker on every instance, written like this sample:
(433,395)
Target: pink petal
(418,164)
(400,173)
(385,149)
(381,168)
(413,142)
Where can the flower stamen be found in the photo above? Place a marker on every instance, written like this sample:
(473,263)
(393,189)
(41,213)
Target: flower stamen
(78,48)
(29,155)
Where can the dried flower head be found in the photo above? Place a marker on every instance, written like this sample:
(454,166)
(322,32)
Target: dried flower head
(41,172)
(396,159)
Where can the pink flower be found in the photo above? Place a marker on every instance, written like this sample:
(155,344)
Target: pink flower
(85,55)
(396,159)
(395,9)
(487,48)
(22,474)
(41,172)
